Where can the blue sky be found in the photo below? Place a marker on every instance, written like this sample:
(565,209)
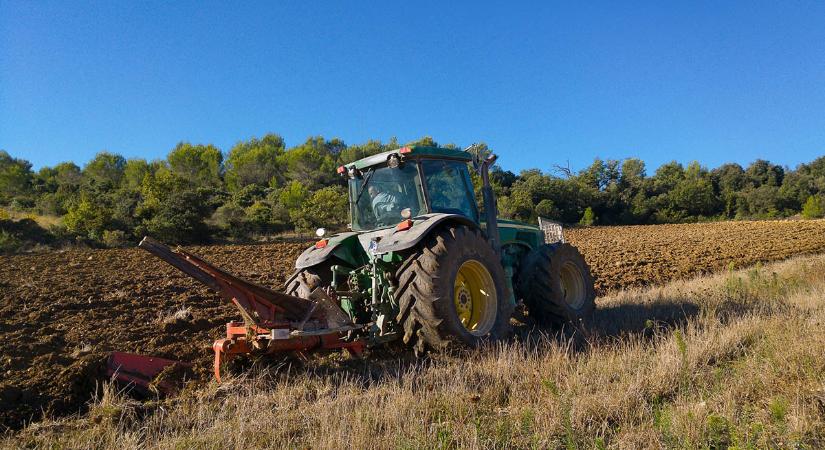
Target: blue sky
(542,83)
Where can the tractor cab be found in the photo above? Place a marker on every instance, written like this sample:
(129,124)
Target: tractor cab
(407,183)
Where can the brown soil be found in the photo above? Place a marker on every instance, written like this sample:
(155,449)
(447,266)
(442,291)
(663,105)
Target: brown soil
(61,312)
(622,257)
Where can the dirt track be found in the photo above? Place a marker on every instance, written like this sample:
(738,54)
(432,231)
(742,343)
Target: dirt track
(62,311)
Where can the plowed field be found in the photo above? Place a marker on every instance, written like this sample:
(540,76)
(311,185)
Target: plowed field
(61,312)
(621,257)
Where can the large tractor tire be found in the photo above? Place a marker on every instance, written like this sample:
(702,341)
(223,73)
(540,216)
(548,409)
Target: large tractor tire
(304,281)
(556,286)
(452,289)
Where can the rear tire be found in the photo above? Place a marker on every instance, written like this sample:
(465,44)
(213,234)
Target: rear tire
(452,290)
(556,286)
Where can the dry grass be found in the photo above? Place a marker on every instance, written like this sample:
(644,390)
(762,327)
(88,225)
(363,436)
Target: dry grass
(44,221)
(735,359)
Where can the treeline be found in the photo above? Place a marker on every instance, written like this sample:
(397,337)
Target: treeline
(261,187)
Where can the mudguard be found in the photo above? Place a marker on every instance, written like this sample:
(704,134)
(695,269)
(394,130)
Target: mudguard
(391,239)
(315,255)
(394,240)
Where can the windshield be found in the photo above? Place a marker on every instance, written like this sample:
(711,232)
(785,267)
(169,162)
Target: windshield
(388,191)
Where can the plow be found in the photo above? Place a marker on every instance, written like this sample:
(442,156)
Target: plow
(423,263)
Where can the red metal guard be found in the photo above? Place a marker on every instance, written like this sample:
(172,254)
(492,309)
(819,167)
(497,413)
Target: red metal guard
(140,372)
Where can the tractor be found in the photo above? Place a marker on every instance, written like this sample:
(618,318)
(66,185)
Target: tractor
(422,263)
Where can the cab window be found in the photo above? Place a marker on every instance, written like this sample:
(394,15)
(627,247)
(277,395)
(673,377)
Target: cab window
(449,188)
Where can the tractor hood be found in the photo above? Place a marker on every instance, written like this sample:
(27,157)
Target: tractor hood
(353,248)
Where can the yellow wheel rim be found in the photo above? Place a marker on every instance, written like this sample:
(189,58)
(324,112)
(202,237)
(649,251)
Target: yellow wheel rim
(572,285)
(474,296)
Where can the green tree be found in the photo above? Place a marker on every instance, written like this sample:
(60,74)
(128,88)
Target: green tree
(312,163)
(200,164)
(693,195)
(57,188)
(134,171)
(104,172)
(729,180)
(327,207)
(15,177)
(814,207)
(546,209)
(87,218)
(256,162)
(356,152)
(293,195)
(633,173)
(762,172)
(172,209)
(588,218)
(426,141)
(231,219)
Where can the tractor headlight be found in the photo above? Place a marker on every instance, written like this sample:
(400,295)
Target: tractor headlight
(320,232)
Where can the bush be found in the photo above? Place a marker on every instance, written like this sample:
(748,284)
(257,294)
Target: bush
(9,243)
(260,218)
(115,238)
(547,209)
(86,218)
(588,218)
(814,207)
(327,207)
(231,220)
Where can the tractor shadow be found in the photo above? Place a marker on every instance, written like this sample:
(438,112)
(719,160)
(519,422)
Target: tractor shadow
(629,318)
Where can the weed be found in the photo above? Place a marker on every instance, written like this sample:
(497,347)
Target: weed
(718,432)
(778,408)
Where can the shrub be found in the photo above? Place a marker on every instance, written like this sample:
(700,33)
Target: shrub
(327,207)
(114,238)
(230,219)
(86,218)
(259,216)
(9,243)
(588,218)
(547,209)
(179,219)
(814,207)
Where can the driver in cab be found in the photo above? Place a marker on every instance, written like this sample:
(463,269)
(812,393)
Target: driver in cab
(384,204)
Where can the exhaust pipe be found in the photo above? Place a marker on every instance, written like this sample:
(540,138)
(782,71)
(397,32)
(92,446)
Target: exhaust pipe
(490,207)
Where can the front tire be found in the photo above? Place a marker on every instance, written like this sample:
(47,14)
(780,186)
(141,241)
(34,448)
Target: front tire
(452,290)
(304,281)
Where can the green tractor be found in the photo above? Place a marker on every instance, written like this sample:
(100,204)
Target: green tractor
(424,264)
(421,264)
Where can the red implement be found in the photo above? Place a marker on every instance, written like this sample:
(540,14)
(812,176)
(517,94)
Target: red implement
(273,322)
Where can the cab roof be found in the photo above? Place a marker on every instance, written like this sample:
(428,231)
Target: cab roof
(411,152)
